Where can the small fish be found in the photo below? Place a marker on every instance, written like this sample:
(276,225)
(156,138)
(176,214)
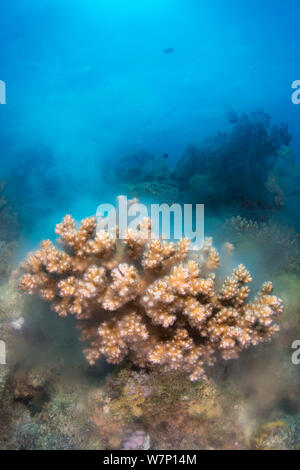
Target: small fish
(165,155)
(169,50)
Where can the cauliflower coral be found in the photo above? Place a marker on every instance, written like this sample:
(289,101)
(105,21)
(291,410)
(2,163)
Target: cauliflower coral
(153,301)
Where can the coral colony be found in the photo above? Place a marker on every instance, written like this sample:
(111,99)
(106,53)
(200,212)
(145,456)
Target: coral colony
(154,301)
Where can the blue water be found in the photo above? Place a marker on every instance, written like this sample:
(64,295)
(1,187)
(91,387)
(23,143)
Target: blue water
(87,81)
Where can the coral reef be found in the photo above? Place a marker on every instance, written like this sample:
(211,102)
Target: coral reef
(241,167)
(152,301)
(280,434)
(6,253)
(195,415)
(140,166)
(41,411)
(250,168)
(283,180)
(280,244)
(143,175)
(57,408)
(163,191)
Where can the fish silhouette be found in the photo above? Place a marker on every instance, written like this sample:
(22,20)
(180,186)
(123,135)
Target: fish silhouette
(169,50)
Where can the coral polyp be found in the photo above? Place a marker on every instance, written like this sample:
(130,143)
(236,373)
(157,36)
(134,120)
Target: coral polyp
(155,302)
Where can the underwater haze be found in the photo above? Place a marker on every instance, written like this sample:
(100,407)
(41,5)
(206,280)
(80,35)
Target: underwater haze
(90,80)
(166,101)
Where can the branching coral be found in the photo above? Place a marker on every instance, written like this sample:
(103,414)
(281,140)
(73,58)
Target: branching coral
(155,302)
